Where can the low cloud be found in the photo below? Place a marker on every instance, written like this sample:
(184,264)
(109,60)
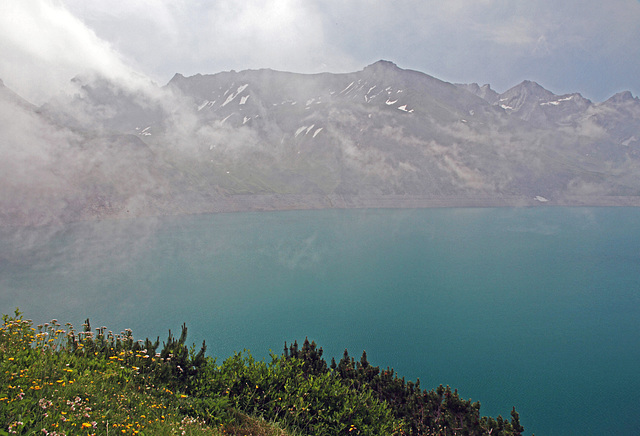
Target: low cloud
(29,177)
(44,46)
(585,46)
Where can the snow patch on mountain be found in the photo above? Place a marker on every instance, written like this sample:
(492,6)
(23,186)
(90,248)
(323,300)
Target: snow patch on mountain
(300,130)
(307,129)
(144,132)
(206,103)
(557,102)
(347,88)
(233,95)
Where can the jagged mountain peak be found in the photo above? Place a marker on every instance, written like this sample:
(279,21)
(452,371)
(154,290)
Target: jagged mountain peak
(528,89)
(485,91)
(176,76)
(484,88)
(622,97)
(526,100)
(100,102)
(382,64)
(265,139)
(383,70)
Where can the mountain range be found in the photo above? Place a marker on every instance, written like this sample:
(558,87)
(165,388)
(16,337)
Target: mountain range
(270,140)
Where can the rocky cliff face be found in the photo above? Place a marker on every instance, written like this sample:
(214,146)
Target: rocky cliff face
(262,140)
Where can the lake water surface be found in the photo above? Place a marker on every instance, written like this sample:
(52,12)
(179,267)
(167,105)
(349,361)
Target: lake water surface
(537,308)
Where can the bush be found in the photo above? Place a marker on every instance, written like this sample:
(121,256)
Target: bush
(55,380)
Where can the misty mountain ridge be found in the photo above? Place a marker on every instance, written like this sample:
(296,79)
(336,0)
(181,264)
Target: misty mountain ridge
(270,140)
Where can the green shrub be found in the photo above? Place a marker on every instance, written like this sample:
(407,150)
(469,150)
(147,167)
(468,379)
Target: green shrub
(56,380)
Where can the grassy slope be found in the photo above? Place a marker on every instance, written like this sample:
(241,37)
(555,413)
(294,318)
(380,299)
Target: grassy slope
(46,388)
(55,380)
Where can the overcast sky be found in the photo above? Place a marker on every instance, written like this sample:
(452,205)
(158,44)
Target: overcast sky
(586,46)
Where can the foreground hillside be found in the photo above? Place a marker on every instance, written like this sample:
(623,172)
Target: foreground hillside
(56,380)
(269,140)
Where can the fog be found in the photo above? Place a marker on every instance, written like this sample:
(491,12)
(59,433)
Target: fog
(88,132)
(588,46)
(114,177)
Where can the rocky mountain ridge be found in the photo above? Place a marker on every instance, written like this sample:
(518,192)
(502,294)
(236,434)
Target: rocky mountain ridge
(269,140)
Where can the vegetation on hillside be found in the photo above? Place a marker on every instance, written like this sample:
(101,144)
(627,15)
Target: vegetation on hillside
(55,380)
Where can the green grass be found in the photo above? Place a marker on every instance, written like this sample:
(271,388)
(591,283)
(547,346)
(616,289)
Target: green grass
(55,380)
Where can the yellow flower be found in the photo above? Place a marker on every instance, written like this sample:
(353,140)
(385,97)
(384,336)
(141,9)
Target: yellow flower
(86,425)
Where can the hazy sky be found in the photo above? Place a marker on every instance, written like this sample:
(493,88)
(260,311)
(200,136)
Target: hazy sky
(586,46)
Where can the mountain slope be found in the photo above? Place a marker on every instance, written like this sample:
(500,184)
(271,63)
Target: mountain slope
(264,140)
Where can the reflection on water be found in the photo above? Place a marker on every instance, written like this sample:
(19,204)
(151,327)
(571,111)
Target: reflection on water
(536,308)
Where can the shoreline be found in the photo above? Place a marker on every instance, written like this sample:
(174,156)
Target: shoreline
(290,202)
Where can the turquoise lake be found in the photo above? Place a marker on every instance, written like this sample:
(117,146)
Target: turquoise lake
(537,308)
